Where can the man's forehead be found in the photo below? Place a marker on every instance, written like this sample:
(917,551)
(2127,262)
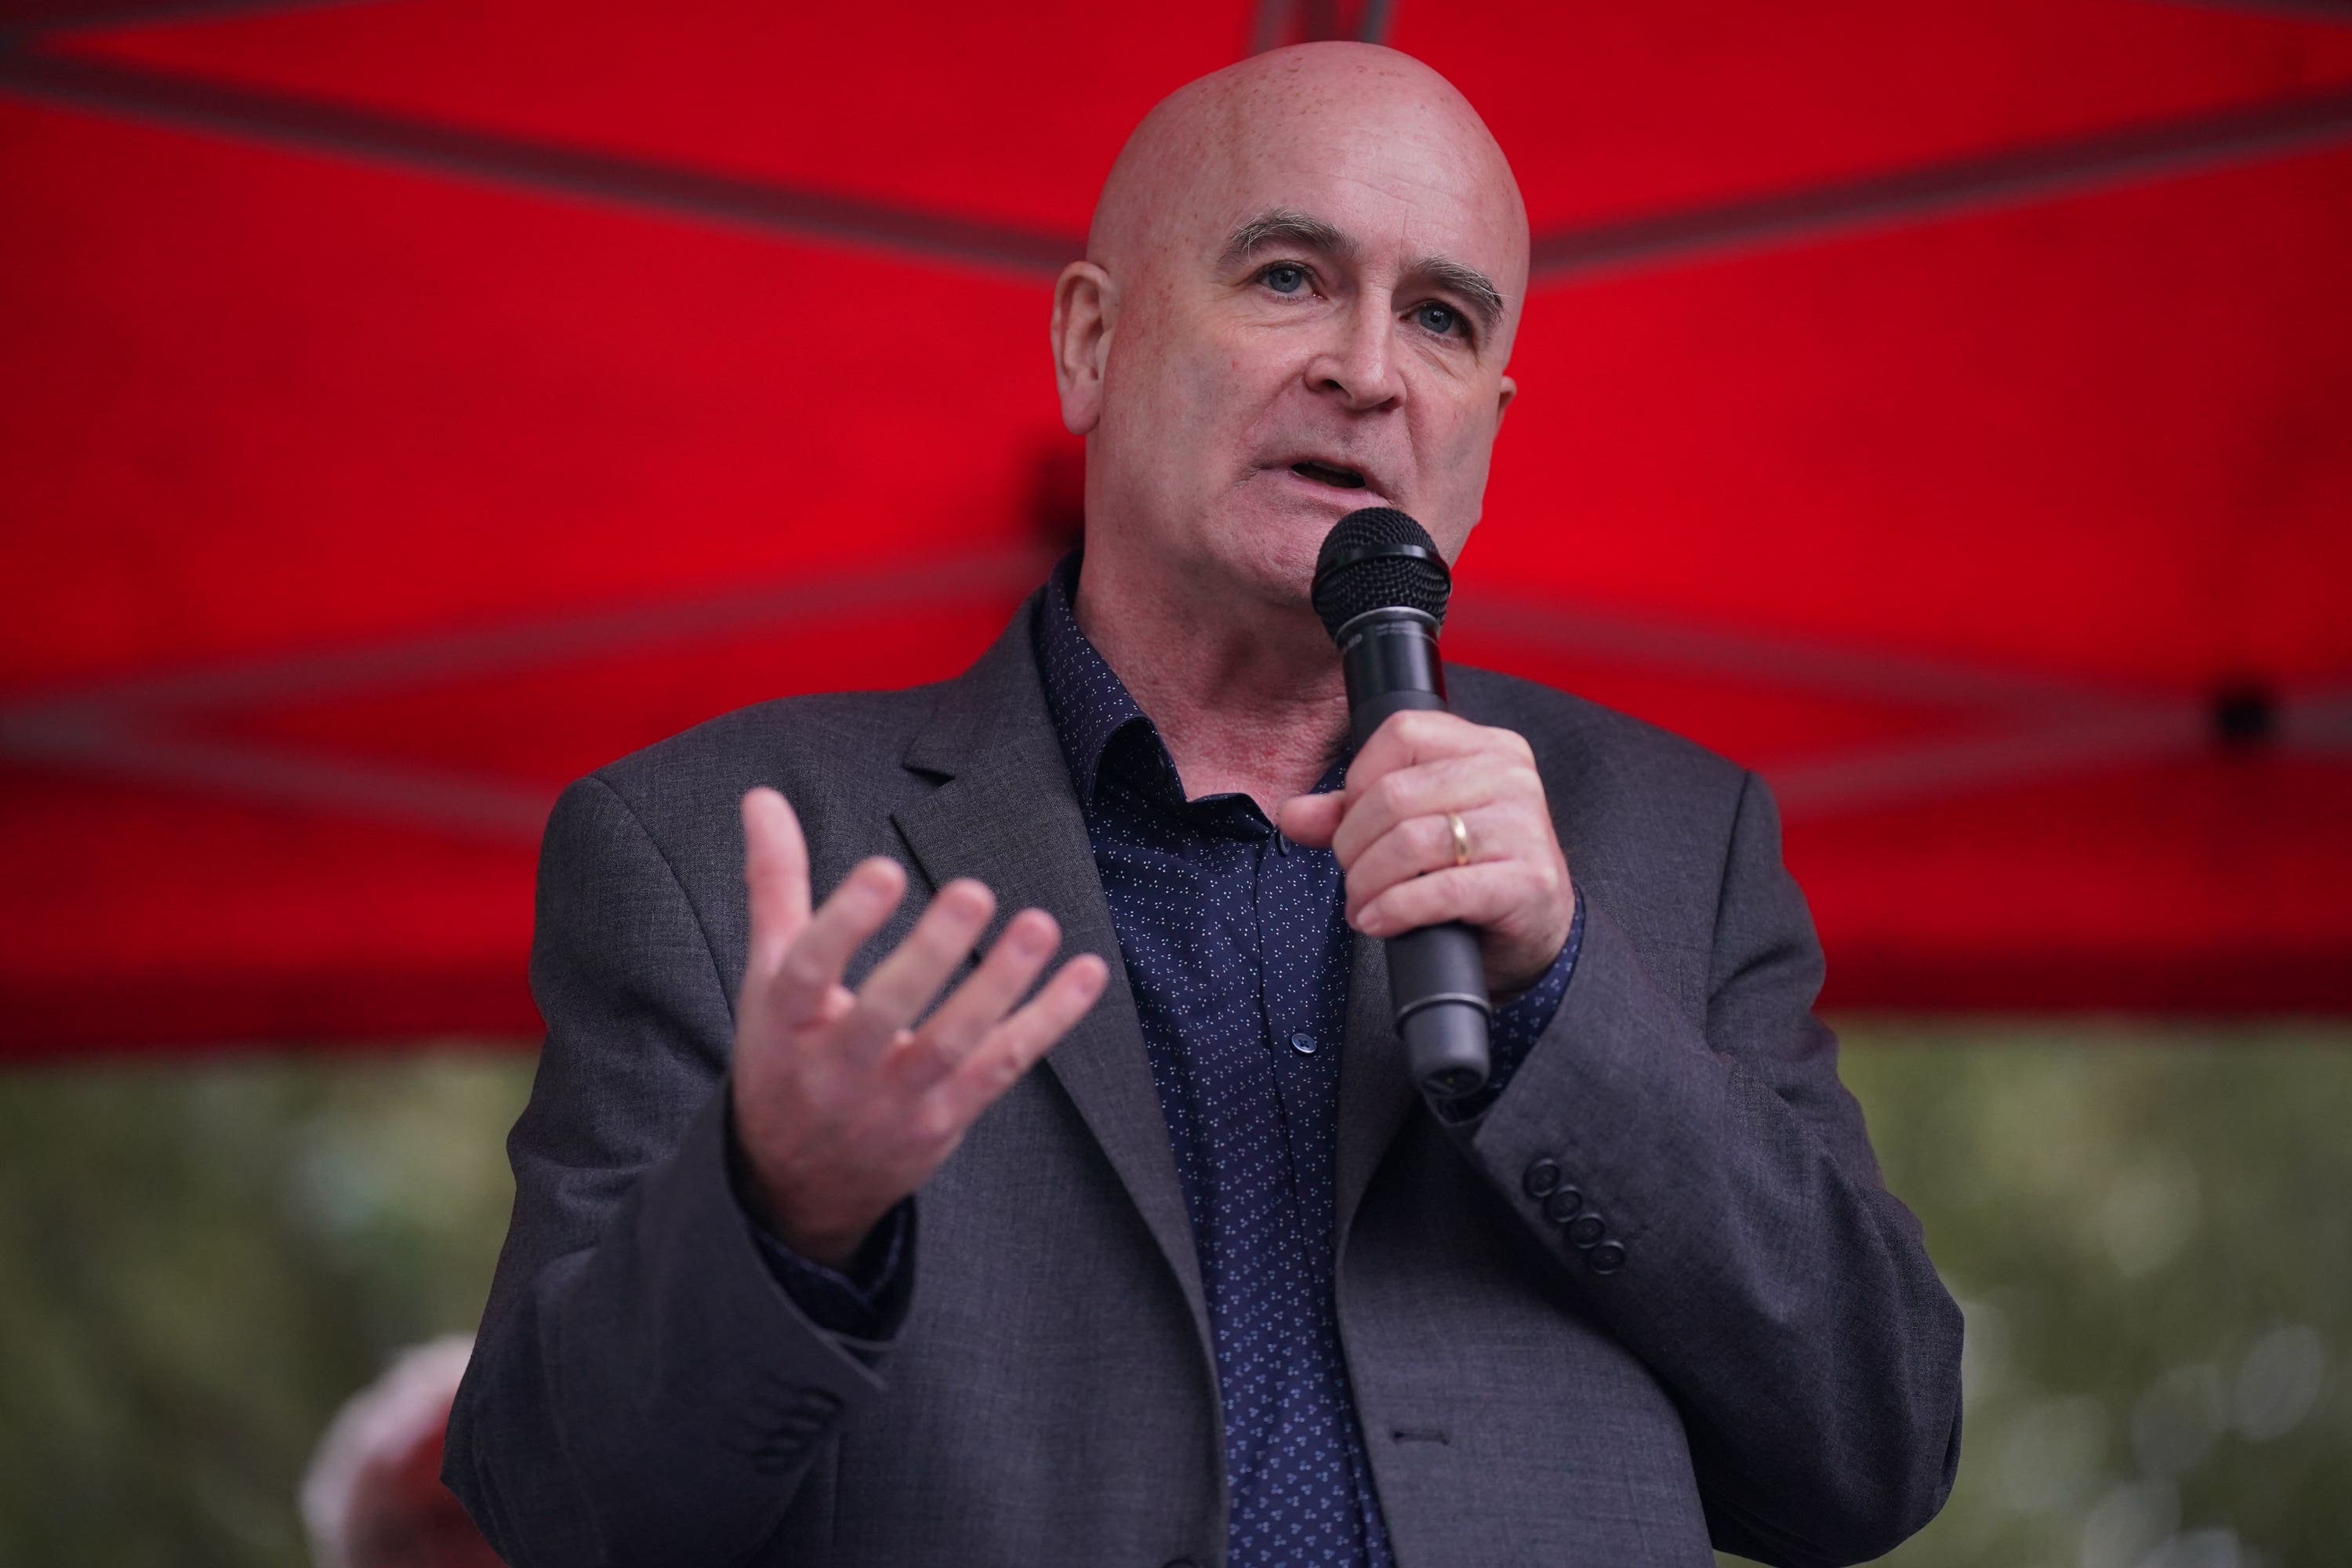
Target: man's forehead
(1366,140)
(1392,174)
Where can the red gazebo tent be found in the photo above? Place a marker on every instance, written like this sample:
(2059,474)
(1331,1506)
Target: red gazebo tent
(411,404)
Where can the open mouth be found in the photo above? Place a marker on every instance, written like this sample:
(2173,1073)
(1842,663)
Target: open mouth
(1325,474)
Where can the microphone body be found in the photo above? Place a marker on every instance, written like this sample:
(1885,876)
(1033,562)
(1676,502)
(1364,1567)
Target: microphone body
(1436,976)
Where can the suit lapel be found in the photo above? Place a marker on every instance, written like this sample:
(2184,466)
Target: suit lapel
(1376,1093)
(1008,815)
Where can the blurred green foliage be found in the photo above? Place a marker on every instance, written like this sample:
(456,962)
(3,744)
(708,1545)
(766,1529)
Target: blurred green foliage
(198,1265)
(2151,1231)
(2151,1240)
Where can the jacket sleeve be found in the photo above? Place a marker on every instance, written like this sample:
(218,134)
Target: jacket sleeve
(643,1390)
(1711,1197)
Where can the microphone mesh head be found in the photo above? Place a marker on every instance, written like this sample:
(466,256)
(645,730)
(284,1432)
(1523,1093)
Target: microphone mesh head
(1364,565)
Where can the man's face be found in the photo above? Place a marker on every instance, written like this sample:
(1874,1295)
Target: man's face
(1319,323)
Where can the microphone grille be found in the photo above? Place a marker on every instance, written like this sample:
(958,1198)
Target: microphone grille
(1374,559)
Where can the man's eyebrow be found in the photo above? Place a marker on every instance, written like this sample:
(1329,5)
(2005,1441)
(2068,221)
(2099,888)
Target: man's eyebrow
(1285,226)
(1486,299)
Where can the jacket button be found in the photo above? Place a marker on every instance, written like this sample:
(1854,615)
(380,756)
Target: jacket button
(1587,1230)
(1606,1258)
(1542,1179)
(1561,1206)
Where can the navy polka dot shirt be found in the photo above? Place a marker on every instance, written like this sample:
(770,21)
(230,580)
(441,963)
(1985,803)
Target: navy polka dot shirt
(1237,950)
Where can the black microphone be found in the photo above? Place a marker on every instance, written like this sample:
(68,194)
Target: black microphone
(1381,587)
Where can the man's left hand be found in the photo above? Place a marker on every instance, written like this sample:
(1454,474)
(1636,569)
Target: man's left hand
(1390,829)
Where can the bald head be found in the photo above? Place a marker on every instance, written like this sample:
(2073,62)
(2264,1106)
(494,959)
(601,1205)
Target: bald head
(1299,295)
(1218,152)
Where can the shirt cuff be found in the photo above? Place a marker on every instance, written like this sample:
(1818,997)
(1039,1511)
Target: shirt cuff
(1514,1027)
(863,1303)
(855,1301)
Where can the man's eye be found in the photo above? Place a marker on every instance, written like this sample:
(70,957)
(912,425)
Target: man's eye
(1440,319)
(1284,278)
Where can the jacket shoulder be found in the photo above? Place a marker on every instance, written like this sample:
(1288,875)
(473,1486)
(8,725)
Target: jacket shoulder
(817,748)
(1649,820)
(1568,731)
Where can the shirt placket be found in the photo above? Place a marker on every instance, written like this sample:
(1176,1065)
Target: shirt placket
(1298,1026)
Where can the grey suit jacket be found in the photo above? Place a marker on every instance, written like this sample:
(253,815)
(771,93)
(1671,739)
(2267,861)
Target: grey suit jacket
(1774,1362)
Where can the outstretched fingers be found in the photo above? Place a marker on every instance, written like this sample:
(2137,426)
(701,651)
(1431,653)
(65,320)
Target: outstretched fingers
(1012,964)
(1021,1040)
(904,983)
(801,986)
(775,876)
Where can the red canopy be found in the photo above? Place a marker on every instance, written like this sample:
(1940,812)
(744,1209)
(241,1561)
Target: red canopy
(410,405)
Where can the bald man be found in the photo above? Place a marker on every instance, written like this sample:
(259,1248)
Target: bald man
(808,1266)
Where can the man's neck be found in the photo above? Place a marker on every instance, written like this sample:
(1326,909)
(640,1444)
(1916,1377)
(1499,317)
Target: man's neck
(1247,698)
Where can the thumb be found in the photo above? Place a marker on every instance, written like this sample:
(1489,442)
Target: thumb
(776,874)
(1312,819)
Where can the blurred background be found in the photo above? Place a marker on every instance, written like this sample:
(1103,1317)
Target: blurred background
(407,406)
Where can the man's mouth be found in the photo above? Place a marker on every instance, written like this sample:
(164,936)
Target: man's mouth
(1325,474)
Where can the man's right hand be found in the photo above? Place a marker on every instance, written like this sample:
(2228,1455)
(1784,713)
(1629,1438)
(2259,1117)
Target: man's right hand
(841,1106)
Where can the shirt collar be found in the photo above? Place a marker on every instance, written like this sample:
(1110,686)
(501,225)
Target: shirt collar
(1088,702)
(1092,708)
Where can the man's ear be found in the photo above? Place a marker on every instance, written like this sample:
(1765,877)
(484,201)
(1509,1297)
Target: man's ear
(1085,307)
(1502,399)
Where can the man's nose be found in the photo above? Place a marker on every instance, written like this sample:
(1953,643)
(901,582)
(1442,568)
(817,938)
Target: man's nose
(1359,365)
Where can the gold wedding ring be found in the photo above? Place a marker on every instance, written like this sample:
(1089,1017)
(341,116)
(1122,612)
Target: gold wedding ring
(1461,837)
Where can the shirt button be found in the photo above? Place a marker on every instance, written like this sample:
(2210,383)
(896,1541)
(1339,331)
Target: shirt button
(1302,1043)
